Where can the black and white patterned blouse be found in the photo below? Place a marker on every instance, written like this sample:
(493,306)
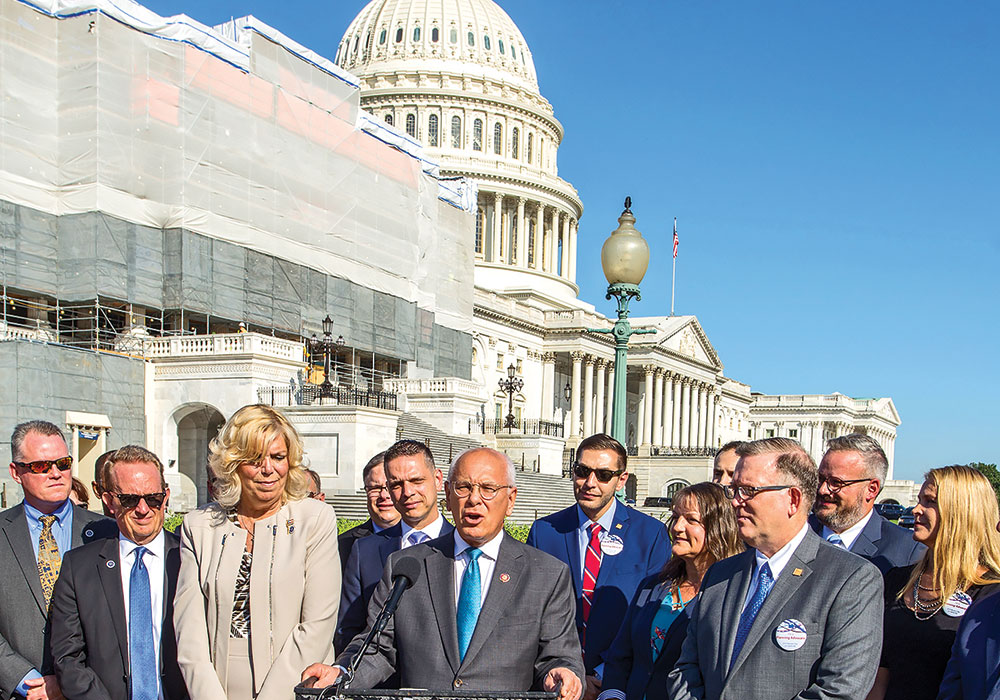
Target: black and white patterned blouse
(240,628)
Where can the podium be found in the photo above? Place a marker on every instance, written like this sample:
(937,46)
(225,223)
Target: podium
(303,693)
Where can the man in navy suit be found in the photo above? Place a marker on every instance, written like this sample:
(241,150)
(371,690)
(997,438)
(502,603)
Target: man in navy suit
(381,511)
(625,547)
(851,476)
(414,482)
(973,672)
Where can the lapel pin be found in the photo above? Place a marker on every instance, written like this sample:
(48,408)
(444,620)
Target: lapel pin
(290,525)
(504,578)
(89,533)
(797,572)
(618,526)
(111,564)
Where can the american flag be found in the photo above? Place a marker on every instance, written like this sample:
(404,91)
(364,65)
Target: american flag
(676,239)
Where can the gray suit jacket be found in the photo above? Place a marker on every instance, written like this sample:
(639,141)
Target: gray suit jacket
(24,626)
(835,594)
(527,625)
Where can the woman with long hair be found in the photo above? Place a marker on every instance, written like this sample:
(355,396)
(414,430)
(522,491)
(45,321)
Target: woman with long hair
(955,516)
(259,584)
(702,531)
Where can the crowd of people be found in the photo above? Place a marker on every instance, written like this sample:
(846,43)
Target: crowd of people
(778,579)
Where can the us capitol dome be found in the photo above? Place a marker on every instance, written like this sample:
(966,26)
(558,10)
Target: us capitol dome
(458,76)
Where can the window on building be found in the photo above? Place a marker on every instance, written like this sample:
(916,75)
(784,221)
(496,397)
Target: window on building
(416,33)
(480,222)
(471,39)
(513,239)
(388,119)
(453,35)
(456,132)
(500,44)
(793,433)
(499,411)
(411,125)
(498,138)
(531,244)
(399,35)
(531,138)
(432,130)
(520,367)
(382,37)
(513,51)
(435,35)
(517,414)
(368,45)
(515,135)
(477,135)
(500,359)
(486,42)
(769,433)
(356,40)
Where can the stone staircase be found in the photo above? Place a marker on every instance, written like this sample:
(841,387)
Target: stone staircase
(445,447)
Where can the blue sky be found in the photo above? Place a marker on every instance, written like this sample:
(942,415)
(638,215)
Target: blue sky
(834,168)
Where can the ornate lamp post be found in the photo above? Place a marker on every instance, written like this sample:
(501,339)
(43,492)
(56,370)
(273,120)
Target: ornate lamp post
(510,386)
(624,257)
(325,345)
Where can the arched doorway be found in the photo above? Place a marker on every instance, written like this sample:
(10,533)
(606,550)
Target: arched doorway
(196,426)
(671,488)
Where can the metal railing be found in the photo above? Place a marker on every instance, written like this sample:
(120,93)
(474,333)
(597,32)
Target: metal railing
(661,451)
(313,395)
(525,426)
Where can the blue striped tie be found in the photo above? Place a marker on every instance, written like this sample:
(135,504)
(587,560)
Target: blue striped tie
(469,602)
(142,653)
(764,584)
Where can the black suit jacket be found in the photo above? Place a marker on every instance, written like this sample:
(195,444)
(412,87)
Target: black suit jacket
(89,632)
(884,544)
(345,542)
(24,624)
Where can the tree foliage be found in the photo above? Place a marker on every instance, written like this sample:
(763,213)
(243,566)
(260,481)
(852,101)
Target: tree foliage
(991,472)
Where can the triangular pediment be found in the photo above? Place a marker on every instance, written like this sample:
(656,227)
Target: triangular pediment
(683,336)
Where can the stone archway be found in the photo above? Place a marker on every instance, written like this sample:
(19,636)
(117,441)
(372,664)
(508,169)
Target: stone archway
(196,426)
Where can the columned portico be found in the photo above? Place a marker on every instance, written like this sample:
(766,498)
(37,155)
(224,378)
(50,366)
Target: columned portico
(548,384)
(647,414)
(686,413)
(574,399)
(658,408)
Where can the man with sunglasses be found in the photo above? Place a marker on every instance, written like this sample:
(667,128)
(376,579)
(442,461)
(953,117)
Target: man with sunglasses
(382,514)
(609,547)
(851,476)
(793,616)
(112,611)
(37,534)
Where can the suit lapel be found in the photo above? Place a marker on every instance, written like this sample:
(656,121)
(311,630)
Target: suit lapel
(736,593)
(109,573)
(16,531)
(441,579)
(498,599)
(571,538)
(866,543)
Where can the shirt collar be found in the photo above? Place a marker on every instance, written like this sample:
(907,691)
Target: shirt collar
(433,531)
(155,547)
(34,515)
(849,535)
(605,521)
(783,555)
(491,549)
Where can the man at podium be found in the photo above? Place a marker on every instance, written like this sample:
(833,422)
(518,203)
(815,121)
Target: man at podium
(486,612)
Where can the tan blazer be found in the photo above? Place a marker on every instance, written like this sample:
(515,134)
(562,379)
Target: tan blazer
(294,594)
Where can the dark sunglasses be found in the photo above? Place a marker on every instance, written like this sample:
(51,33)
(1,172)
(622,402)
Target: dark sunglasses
(603,475)
(43,466)
(131,500)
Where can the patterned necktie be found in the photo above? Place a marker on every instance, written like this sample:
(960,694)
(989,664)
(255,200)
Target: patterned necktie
(142,655)
(834,539)
(764,585)
(470,600)
(591,568)
(49,559)
(416,537)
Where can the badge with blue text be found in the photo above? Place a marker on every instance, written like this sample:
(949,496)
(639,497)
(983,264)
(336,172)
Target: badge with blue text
(957,604)
(790,635)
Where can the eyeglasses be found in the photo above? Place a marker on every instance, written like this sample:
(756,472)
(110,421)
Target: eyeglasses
(487,492)
(131,500)
(377,489)
(42,466)
(745,493)
(603,475)
(834,484)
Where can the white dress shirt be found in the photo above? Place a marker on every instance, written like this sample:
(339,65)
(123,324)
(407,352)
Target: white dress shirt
(433,531)
(153,560)
(777,563)
(850,534)
(487,564)
(583,537)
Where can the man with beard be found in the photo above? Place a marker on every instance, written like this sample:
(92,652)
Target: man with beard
(851,475)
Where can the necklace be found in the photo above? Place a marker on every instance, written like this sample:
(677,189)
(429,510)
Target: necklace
(927,607)
(242,521)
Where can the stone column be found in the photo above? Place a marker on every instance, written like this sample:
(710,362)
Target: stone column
(675,415)
(647,406)
(710,408)
(609,398)
(522,235)
(668,404)
(698,399)
(539,234)
(588,396)
(497,207)
(574,400)
(566,247)
(602,366)
(891,455)
(548,384)
(572,250)
(657,438)
(550,244)
(686,413)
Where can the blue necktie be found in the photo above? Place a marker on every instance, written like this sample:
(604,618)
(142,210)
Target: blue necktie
(469,602)
(764,584)
(142,654)
(834,539)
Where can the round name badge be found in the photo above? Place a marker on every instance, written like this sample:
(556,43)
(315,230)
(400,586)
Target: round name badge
(612,545)
(957,604)
(790,635)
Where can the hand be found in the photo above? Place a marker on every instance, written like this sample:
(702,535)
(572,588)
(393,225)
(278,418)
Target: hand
(44,688)
(592,688)
(565,681)
(325,675)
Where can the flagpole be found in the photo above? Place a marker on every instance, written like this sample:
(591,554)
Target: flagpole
(673,279)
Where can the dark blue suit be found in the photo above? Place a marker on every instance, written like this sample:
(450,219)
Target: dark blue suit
(884,544)
(361,576)
(974,668)
(628,665)
(646,548)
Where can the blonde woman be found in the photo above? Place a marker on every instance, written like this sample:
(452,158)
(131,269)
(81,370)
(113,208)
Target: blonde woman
(259,582)
(955,516)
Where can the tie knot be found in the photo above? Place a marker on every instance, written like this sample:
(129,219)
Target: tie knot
(47,521)
(594,529)
(416,537)
(139,551)
(474,553)
(834,538)
(765,572)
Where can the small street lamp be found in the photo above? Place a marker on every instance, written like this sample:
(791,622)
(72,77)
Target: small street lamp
(624,258)
(325,345)
(510,386)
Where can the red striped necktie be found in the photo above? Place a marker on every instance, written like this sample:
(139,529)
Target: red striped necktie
(591,568)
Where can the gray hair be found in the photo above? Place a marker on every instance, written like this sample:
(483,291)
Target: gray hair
(21,430)
(871,453)
(793,461)
(511,472)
